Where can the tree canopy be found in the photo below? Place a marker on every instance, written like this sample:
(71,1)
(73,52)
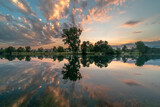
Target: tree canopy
(71,37)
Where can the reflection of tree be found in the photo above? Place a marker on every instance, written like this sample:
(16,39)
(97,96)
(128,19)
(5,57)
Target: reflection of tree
(28,58)
(10,57)
(85,61)
(102,61)
(71,70)
(60,58)
(141,60)
(20,57)
(40,57)
(124,58)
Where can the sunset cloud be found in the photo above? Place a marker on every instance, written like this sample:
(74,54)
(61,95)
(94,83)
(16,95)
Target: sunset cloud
(40,22)
(132,23)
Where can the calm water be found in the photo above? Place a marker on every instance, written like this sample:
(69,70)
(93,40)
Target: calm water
(101,81)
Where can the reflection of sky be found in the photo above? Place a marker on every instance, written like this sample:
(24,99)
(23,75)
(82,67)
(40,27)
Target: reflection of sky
(39,80)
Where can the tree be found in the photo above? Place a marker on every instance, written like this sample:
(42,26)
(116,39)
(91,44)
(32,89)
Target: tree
(118,51)
(71,37)
(54,49)
(20,49)
(10,50)
(141,47)
(28,49)
(102,46)
(91,48)
(124,49)
(60,49)
(84,47)
(1,51)
(40,49)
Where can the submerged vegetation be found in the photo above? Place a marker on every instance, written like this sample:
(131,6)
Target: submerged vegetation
(71,37)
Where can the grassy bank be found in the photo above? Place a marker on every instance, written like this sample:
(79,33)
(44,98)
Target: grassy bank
(52,53)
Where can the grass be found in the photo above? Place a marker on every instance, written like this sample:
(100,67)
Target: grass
(52,53)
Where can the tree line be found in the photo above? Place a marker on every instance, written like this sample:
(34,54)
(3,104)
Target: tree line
(71,38)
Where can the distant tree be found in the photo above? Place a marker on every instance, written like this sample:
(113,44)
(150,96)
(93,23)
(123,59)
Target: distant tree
(40,49)
(20,49)
(54,49)
(118,51)
(102,46)
(1,51)
(60,49)
(28,49)
(124,49)
(84,47)
(91,48)
(141,47)
(71,37)
(10,50)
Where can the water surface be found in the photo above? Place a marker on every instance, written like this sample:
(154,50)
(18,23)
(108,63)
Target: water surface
(77,81)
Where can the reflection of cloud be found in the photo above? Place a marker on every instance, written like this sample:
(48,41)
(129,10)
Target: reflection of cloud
(131,82)
(136,32)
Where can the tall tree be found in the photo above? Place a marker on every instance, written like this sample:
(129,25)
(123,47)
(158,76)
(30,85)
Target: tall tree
(71,37)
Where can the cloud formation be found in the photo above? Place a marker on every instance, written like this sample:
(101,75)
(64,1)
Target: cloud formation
(132,23)
(42,26)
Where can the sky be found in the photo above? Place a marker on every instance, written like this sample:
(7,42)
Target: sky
(39,23)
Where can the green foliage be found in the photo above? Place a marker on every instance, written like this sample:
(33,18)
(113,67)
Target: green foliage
(102,46)
(118,51)
(71,70)
(10,50)
(1,51)
(71,37)
(141,47)
(54,49)
(60,49)
(40,49)
(84,47)
(28,49)
(20,49)
(124,49)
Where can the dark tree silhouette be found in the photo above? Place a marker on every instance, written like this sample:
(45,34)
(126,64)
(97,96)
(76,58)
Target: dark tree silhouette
(141,47)
(71,37)
(20,49)
(10,50)
(71,70)
(28,49)
(60,49)
(84,47)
